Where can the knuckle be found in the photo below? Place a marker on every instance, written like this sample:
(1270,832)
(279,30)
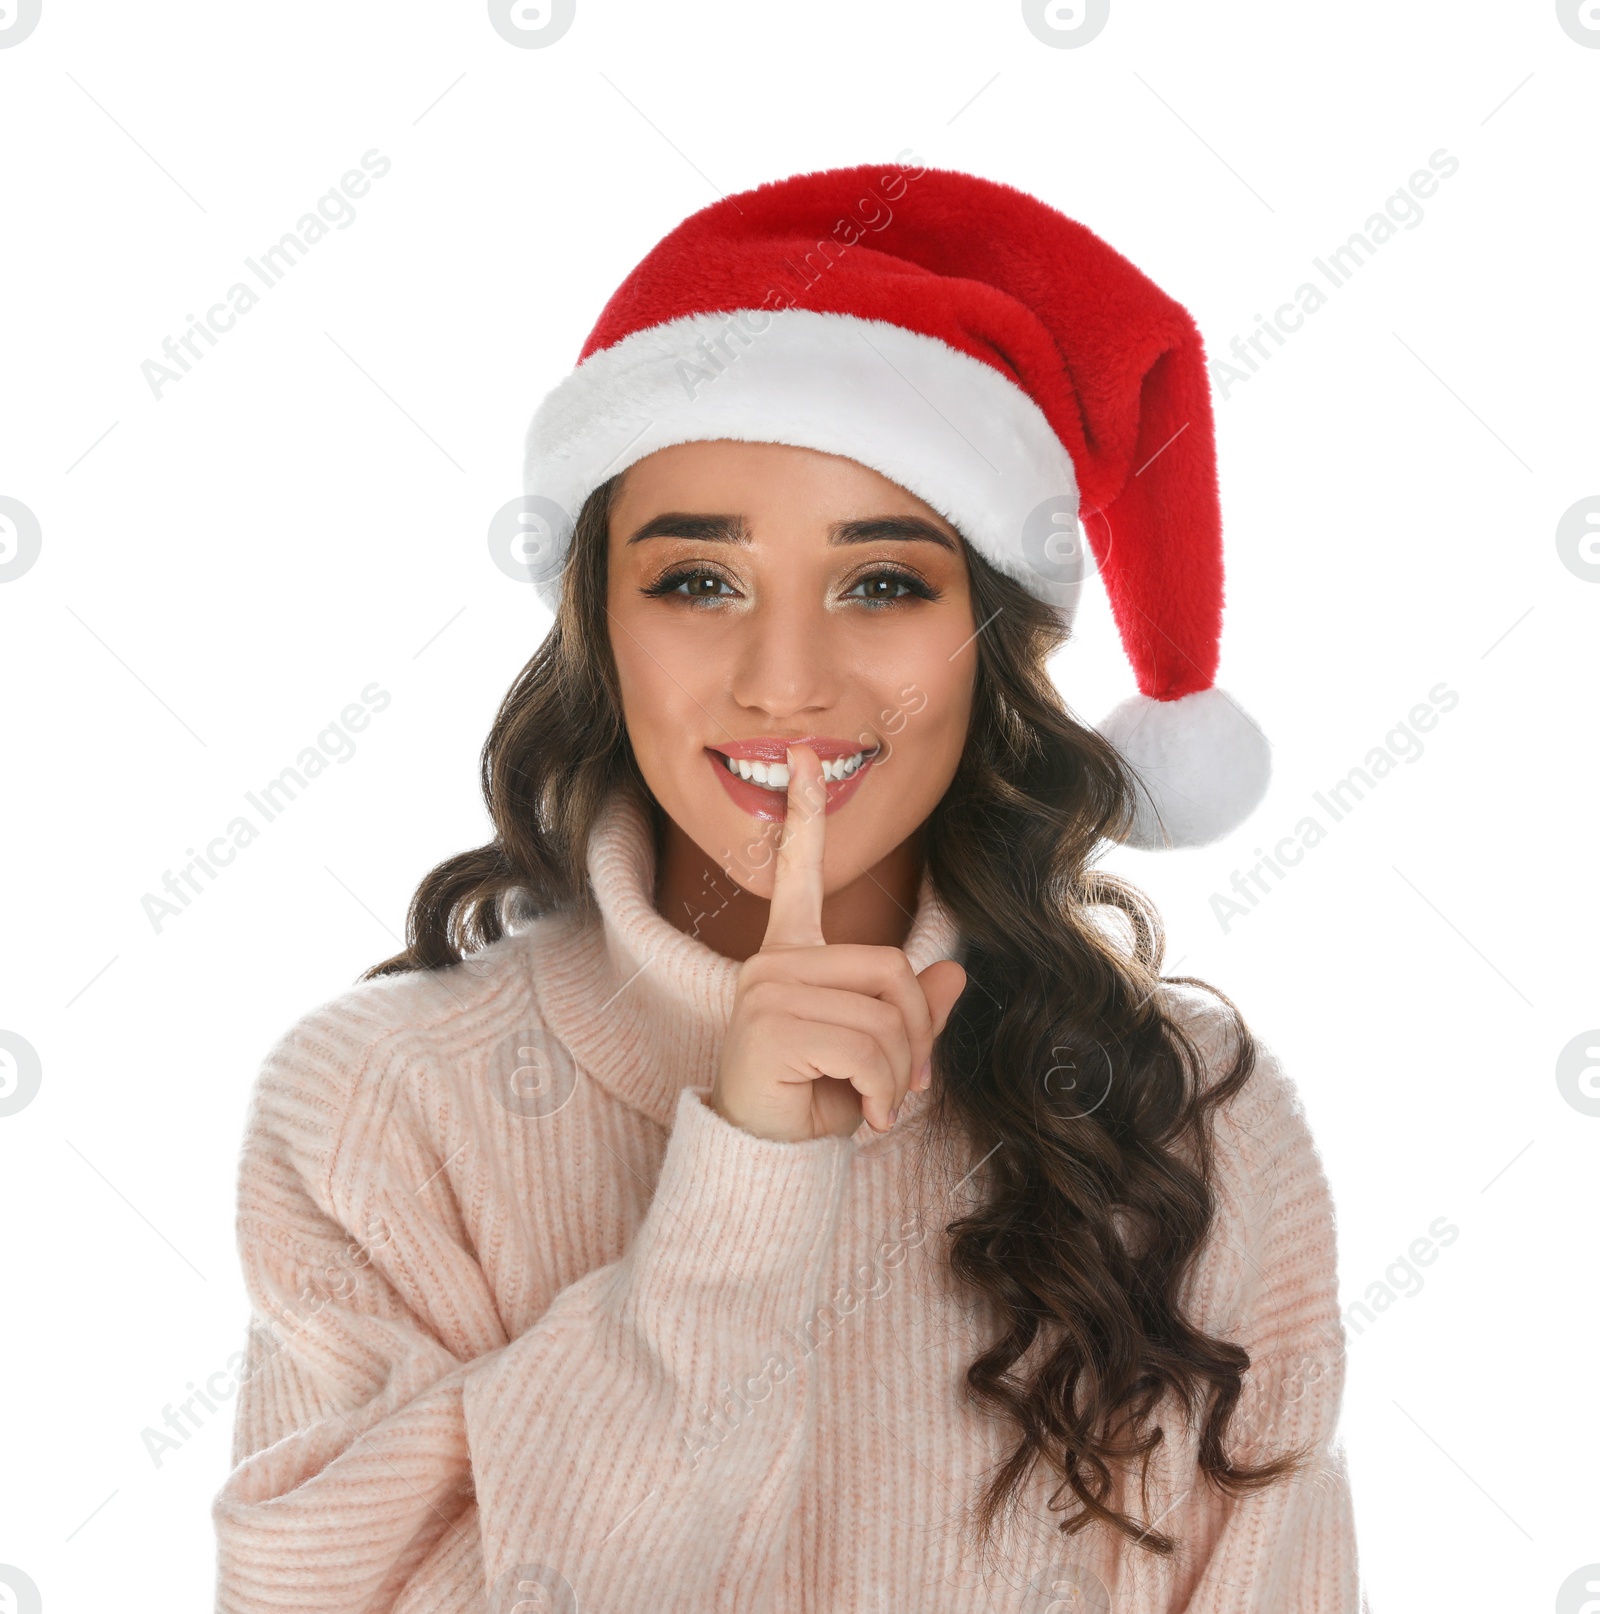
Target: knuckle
(776,996)
(758,1000)
(891,1026)
(901,978)
(865,1051)
(888,1023)
(752,973)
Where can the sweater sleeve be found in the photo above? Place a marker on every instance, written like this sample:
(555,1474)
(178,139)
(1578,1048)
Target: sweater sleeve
(1273,1287)
(394,1451)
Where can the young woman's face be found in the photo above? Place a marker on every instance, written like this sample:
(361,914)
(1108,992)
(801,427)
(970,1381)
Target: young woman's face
(763,593)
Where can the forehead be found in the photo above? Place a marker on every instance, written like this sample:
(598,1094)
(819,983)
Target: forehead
(760,482)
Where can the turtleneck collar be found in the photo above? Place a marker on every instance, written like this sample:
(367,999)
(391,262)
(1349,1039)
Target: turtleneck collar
(642,1005)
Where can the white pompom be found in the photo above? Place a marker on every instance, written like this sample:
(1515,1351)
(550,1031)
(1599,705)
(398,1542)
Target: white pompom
(1202,759)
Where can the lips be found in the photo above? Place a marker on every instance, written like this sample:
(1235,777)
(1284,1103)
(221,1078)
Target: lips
(773,748)
(772,806)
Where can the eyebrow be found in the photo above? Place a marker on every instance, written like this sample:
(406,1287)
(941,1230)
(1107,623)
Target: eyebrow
(736,530)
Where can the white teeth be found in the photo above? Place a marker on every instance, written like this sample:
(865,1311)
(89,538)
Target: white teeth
(775,775)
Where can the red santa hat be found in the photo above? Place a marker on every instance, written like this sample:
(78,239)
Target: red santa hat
(989,354)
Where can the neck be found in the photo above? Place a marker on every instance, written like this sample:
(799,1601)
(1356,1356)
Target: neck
(694,894)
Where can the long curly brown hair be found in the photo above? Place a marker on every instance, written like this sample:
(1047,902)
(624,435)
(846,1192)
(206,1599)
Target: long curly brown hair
(1094,1197)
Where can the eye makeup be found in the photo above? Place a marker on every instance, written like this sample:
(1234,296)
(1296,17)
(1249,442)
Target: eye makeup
(675,577)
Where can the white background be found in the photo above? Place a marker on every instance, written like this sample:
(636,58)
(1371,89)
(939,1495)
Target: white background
(305,513)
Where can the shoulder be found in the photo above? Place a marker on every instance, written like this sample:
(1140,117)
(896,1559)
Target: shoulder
(1266,1114)
(384,1054)
(1272,1250)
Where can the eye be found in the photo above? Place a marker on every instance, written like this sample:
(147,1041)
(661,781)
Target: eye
(700,585)
(913,585)
(672,582)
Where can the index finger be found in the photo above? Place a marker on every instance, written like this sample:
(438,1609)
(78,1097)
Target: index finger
(795,919)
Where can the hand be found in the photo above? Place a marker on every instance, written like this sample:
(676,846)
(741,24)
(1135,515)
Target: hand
(823,1036)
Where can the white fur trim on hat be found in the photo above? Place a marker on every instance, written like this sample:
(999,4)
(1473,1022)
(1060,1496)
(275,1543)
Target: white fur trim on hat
(947,427)
(1203,762)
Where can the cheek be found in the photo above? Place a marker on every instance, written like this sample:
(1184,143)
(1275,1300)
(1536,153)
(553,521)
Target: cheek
(928,711)
(661,702)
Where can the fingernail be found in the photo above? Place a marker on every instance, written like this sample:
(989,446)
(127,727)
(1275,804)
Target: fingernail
(925,1075)
(892,1113)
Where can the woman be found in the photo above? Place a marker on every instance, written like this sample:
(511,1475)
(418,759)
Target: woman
(776,1174)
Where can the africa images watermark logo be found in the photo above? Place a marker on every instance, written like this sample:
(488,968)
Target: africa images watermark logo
(20,538)
(1402,210)
(334,744)
(334,210)
(738,1398)
(18,19)
(873,213)
(1403,743)
(531,24)
(1066,24)
(1580,20)
(21,1073)
(1577,535)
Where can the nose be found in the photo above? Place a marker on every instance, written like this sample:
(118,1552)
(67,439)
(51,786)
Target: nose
(787,661)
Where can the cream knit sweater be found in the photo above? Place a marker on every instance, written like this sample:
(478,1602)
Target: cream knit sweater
(535,1329)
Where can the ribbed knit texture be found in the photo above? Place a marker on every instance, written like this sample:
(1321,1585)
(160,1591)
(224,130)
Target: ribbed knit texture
(535,1328)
